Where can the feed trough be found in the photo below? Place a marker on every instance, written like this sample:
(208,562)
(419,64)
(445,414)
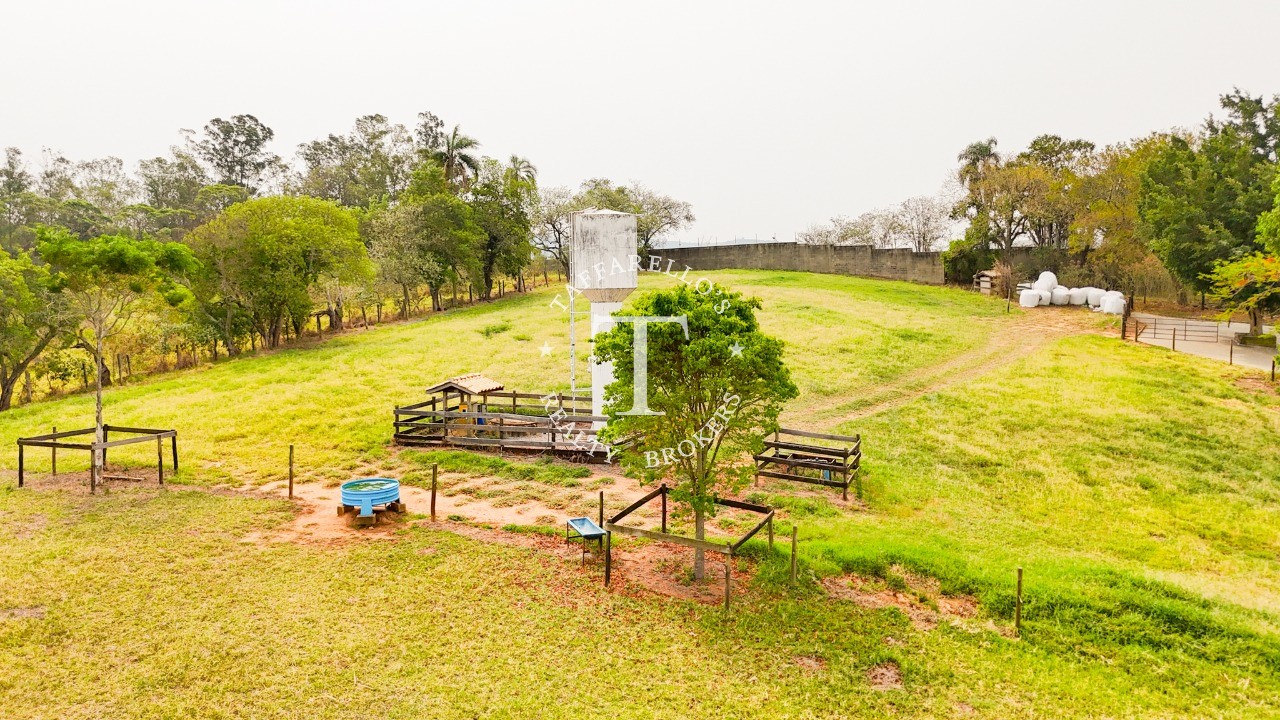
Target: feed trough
(365,493)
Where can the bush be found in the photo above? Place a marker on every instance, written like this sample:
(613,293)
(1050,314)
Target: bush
(964,259)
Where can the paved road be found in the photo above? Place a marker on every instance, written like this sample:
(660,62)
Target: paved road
(1259,358)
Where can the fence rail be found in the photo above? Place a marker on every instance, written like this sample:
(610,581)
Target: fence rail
(500,421)
(1154,327)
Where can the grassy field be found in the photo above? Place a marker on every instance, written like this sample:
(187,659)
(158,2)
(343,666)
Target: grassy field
(1138,488)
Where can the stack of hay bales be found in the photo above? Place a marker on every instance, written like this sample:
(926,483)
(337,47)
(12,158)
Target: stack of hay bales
(1046,291)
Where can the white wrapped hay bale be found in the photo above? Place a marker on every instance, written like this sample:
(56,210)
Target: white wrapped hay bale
(1112,305)
(1046,297)
(1095,296)
(1029,298)
(1078,295)
(1060,296)
(1046,281)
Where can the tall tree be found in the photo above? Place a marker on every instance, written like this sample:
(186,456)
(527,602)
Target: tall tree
(429,133)
(924,222)
(718,389)
(174,182)
(456,155)
(1252,284)
(104,279)
(236,150)
(1201,199)
(523,169)
(553,223)
(657,215)
(32,314)
(1057,166)
(370,164)
(269,253)
(503,206)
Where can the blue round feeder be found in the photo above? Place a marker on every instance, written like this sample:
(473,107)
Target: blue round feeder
(367,492)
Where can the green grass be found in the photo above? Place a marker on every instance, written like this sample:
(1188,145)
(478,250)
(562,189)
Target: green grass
(543,470)
(1137,488)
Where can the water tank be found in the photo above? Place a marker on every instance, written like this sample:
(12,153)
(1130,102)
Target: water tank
(602,257)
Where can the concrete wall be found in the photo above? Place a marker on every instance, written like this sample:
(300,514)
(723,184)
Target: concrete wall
(839,260)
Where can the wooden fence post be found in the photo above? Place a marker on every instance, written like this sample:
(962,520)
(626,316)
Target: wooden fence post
(160,459)
(728,579)
(21,468)
(602,508)
(608,556)
(290,472)
(435,467)
(793,554)
(173,442)
(54,453)
(1017,612)
(770,532)
(664,510)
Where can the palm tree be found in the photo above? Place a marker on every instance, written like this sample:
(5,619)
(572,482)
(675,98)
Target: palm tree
(522,169)
(976,158)
(454,156)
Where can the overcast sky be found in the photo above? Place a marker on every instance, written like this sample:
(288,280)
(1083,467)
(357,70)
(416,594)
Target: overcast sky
(766,116)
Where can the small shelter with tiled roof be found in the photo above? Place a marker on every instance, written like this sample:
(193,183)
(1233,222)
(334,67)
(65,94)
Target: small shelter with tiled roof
(470,384)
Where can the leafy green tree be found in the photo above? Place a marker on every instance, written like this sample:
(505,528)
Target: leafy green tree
(32,315)
(263,257)
(1252,284)
(503,207)
(172,183)
(103,280)
(236,149)
(371,164)
(719,390)
(428,134)
(1052,207)
(396,248)
(603,194)
(998,196)
(1201,198)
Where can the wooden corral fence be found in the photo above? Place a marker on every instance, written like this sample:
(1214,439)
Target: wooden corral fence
(786,458)
(1154,327)
(56,441)
(502,421)
(728,547)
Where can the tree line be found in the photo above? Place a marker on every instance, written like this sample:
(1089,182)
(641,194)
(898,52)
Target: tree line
(222,246)
(1196,209)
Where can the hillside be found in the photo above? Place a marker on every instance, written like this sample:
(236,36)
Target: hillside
(1137,488)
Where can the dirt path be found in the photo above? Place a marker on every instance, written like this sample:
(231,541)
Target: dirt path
(1011,341)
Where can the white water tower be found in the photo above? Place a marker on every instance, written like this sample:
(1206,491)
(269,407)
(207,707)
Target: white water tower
(602,268)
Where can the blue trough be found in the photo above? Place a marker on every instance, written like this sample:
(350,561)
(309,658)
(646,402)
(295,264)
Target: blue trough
(365,493)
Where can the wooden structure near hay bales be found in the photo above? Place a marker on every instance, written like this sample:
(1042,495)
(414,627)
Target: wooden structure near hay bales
(55,442)
(475,412)
(728,548)
(786,458)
